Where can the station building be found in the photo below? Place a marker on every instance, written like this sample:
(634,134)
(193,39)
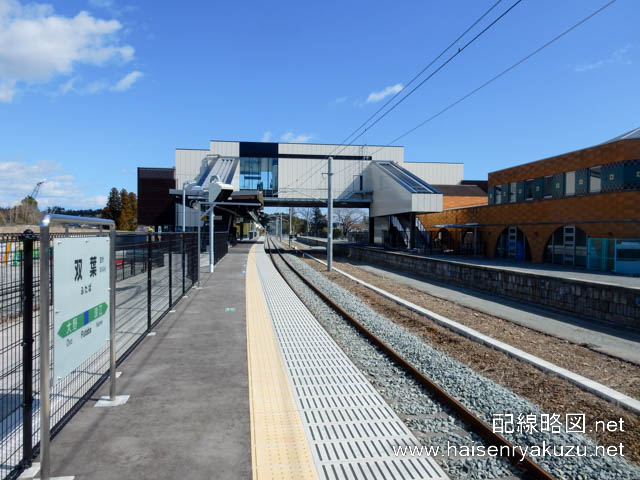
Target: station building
(580,209)
(288,174)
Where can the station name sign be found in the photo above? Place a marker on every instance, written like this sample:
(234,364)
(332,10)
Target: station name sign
(81,273)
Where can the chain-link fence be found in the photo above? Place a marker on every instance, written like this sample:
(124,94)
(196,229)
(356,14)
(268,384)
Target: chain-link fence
(153,271)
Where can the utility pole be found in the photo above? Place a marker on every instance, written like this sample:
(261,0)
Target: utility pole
(290,224)
(329,215)
(280,231)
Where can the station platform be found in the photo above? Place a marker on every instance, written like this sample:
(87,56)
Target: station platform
(239,382)
(188,412)
(548,270)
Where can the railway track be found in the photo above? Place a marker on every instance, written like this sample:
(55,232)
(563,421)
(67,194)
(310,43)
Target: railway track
(528,467)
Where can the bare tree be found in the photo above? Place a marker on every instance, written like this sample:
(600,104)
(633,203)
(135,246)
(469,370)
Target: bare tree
(348,219)
(307,215)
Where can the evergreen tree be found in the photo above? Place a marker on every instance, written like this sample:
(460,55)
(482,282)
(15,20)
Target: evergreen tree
(114,206)
(127,218)
(123,219)
(133,205)
(318,221)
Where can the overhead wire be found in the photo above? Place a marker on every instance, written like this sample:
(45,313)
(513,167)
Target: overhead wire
(460,50)
(502,73)
(432,74)
(415,77)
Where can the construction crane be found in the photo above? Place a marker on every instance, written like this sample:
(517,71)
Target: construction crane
(34,193)
(36,189)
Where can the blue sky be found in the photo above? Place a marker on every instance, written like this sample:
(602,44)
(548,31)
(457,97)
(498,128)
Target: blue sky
(90,90)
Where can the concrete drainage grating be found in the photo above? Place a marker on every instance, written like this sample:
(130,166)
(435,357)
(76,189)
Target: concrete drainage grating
(351,430)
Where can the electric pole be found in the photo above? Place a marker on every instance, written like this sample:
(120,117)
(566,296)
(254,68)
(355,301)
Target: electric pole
(290,224)
(329,215)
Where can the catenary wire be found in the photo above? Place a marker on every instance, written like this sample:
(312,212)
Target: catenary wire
(432,74)
(308,174)
(415,77)
(502,73)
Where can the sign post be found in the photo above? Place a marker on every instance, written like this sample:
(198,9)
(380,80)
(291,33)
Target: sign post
(83,285)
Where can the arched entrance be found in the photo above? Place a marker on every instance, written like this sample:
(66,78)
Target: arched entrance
(513,244)
(567,246)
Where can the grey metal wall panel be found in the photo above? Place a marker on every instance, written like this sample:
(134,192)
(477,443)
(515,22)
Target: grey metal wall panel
(188,164)
(224,149)
(437,173)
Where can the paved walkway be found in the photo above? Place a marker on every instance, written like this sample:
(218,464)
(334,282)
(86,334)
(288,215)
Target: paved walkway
(188,415)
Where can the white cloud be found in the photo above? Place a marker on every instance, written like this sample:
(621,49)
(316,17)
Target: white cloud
(73,85)
(67,86)
(37,45)
(17,179)
(289,137)
(390,90)
(267,137)
(111,7)
(94,87)
(338,101)
(7,90)
(126,82)
(619,57)
(101,3)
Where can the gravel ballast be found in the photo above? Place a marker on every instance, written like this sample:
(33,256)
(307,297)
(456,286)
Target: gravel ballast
(481,395)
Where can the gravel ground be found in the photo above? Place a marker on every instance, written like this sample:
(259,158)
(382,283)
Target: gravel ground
(610,371)
(546,390)
(426,418)
(465,384)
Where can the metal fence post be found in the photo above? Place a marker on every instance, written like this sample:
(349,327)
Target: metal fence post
(199,240)
(149,266)
(112,313)
(45,354)
(170,271)
(183,269)
(27,347)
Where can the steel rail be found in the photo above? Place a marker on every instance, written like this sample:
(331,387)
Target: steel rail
(530,468)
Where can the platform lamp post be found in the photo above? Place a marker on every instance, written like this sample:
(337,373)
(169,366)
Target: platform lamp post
(184,203)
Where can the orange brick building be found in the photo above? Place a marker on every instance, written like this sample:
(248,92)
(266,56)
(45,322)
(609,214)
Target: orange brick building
(456,196)
(581,208)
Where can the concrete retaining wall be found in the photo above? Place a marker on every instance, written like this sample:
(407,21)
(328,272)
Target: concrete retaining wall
(609,303)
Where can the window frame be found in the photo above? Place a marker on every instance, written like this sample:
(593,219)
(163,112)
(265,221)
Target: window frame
(573,184)
(549,193)
(497,195)
(598,176)
(528,185)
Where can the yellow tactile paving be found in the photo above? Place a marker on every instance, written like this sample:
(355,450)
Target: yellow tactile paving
(279,448)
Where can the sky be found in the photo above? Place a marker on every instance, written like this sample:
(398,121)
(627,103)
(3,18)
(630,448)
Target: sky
(90,90)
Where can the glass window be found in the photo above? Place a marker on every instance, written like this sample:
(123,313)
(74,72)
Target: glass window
(570,183)
(498,193)
(528,190)
(548,186)
(627,256)
(512,192)
(595,182)
(259,174)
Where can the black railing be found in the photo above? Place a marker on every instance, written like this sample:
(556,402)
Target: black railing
(153,271)
(220,246)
